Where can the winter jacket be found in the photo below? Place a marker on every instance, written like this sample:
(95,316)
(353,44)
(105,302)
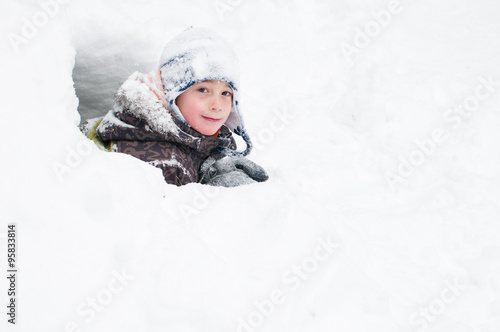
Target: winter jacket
(141,125)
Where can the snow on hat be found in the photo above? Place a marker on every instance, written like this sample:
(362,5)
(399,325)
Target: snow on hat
(198,55)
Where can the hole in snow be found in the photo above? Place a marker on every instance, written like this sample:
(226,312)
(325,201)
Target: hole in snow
(102,64)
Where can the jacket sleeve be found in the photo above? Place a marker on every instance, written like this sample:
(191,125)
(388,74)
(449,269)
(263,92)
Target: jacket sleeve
(89,129)
(175,172)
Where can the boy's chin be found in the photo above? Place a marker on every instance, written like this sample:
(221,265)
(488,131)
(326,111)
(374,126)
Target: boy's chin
(207,131)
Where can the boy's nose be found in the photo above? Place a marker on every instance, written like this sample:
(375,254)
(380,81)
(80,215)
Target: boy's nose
(216,104)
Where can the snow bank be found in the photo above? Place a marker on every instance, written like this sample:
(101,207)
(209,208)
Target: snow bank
(377,123)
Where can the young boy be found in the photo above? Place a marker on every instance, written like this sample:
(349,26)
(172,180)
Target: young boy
(180,116)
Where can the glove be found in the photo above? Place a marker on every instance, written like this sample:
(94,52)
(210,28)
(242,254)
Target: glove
(233,172)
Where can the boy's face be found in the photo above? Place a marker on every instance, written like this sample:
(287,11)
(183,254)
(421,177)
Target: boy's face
(206,105)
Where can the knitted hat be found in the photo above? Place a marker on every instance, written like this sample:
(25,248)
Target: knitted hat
(198,55)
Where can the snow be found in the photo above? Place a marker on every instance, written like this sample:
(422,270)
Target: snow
(371,220)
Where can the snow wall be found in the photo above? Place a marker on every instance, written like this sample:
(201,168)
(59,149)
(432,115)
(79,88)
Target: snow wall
(378,124)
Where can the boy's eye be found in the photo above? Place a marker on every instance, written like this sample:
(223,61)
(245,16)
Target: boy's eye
(203,90)
(227,93)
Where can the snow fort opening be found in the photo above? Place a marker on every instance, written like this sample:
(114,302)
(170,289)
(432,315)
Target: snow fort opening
(102,64)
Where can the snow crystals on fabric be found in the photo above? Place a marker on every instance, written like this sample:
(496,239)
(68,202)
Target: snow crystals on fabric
(136,97)
(110,120)
(171,163)
(197,55)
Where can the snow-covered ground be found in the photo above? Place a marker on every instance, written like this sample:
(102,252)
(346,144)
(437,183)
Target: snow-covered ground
(377,121)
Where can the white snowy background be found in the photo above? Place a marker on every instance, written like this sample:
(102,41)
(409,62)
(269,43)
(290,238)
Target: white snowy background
(378,122)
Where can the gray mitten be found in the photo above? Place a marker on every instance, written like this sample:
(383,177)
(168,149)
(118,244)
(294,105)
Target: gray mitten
(233,172)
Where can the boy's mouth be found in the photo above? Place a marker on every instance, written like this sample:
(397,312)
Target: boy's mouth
(210,119)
